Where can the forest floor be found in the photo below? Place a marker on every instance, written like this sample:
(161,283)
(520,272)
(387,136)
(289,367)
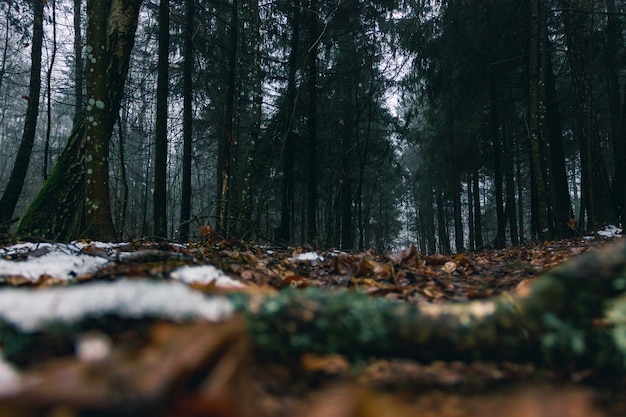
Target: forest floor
(154,363)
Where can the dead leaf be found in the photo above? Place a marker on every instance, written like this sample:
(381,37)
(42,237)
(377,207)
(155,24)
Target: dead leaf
(449,267)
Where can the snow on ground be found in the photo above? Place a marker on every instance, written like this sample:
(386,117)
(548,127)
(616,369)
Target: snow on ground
(67,261)
(59,260)
(29,309)
(204,274)
(312,257)
(610,231)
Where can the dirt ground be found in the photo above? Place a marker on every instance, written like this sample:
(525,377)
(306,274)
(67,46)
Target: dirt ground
(156,367)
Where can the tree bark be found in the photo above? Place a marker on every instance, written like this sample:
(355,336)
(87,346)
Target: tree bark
(160,147)
(617,109)
(228,142)
(533,122)
(188,55)
(46,149)
(248,210)
(562,205)
(287,192)
(500,240)
(78,63)
(442,224)
(311,182)
(478,227)
(14,186)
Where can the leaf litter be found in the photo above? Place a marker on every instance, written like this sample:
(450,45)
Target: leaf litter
(159,337)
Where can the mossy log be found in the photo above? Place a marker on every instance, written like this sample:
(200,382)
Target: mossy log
(569,317)
(572,317)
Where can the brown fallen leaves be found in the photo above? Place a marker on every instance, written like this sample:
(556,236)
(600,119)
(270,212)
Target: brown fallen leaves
(205,369)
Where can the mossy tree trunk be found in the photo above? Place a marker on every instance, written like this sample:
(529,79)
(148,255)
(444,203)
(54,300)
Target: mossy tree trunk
(74,200)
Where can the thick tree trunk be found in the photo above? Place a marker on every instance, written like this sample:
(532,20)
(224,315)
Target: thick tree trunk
(14,187)
(160,146)
(311,181)
(249,212)
(58,211)
(533,122)
(185,204)
(287,192)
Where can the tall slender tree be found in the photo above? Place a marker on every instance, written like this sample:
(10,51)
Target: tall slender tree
(78,62)
(188,56)
(287,193)
(53,54)
(312,70)
(14,187)
(160,148)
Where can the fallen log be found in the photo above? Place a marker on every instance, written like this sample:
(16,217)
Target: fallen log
(572,316)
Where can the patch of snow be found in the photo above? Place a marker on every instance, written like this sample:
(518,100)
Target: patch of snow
(610,231)
(9,377)
(204,274)
(93,347)
(56,263)
(309,256)
(28,309)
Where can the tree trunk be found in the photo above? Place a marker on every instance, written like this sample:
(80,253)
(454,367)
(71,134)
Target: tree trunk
(78,63)
(618,112)
(160,146)
(58,210)
(458,217)
(46,149)
(5,47)
(442,224)
(579,35)
(16,181)
(500,240)
(510,213)
(287,192)
(311,169)
(249,212)
(185,204)
(533,122)
(470,215)
(520,199)
(562,205)
(98,126)
(478,226)
(227,144)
